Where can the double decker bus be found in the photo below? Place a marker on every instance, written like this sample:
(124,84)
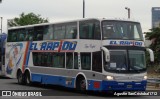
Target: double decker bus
(87,54)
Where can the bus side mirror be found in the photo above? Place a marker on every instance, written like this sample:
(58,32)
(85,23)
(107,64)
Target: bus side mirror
(106,53)
(151,54)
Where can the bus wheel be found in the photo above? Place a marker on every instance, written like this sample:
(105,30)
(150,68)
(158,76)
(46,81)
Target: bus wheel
(20,77)
(81,84)
(27,78)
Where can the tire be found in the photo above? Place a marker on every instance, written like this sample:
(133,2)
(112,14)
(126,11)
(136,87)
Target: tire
(20,78)
(27,78)
(81,84)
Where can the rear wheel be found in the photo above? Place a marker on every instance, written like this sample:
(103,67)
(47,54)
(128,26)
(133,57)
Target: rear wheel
(27,78)
(20,77)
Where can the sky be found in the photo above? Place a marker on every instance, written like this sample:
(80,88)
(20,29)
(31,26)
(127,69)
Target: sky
(59,10)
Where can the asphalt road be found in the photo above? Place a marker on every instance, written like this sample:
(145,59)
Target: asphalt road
(57,92)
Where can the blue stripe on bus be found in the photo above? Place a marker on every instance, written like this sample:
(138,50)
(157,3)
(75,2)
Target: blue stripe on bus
(118,86)
(55,80)
(95,85)
(92,84)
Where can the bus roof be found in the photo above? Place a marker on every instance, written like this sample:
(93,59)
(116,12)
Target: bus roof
(41,24)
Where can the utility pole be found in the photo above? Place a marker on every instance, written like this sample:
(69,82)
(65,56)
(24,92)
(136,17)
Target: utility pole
(129,11)
(83,8)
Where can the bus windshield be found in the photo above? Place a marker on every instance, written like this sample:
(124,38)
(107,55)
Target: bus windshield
(120,63)
(121,30)
(137,60)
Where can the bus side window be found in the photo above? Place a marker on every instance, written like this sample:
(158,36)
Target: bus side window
(49,60)
(35,58)
(84,31)
(10,35)
(71,31)
(14,36)
(59,60)
(44,59)
(96,30)
(48,33)
(39,37)
(69,60)
(21,35)
(30,37)
(26,38)
(59,32)
(38,33)
(90,30)
(39,59)
(75,60)
(85,61)
(97,61)
(30,34)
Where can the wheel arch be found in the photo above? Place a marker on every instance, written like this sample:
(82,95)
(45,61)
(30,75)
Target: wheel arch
(82,75)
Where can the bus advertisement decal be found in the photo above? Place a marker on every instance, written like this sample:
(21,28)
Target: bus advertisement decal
(15,56)
(126,43)
(58,46)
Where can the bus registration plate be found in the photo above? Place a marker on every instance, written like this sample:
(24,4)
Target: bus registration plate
(129,86)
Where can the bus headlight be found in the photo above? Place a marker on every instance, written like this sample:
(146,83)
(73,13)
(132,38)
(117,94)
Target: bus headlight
(109,78)
(145,78)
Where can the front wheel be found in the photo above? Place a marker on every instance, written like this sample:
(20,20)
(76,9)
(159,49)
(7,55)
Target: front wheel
(81,84)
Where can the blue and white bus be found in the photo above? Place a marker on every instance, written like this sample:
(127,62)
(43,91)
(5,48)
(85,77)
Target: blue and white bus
(87,54)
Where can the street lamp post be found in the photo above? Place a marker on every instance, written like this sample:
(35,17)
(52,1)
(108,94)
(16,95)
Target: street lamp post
(83,8)
(129,11)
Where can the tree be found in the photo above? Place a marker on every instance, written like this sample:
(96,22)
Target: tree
(27,19)
(154,36)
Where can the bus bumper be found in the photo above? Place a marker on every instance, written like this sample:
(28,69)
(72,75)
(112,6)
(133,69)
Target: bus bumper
(124,86)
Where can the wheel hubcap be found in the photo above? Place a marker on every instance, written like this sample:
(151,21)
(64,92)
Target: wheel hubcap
(83,84)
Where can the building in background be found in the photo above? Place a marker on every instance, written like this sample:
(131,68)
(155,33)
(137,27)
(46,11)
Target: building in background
(155,17)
